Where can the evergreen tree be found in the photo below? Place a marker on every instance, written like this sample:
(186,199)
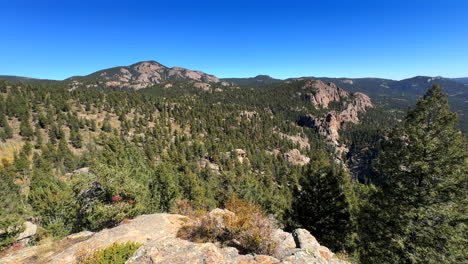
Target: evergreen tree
(418,215)
(12,214)
(53,200)
(26,130)
(106,126)
(75,139)
(92,125)
(68,160)
(39,139)
(3,120)
(7,131)
(166,187)
(324,205)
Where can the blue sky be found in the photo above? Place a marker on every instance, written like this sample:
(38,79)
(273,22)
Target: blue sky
(389,39)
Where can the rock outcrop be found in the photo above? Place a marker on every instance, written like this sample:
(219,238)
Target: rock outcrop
(158,235)
(30,230)
(329,125)
(143,74)
(322,94)
(302,141)
(295,157)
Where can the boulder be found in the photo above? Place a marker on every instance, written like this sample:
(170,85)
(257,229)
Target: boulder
(30,230)
(305,240)
(284,241)
(295,157)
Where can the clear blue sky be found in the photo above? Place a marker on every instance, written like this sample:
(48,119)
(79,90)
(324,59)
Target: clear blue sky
(391,39)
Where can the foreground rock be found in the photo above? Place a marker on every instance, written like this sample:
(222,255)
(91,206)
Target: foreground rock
(30,230)
(157,233)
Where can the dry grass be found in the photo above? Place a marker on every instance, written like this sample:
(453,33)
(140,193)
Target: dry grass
(9,147)
(244,226)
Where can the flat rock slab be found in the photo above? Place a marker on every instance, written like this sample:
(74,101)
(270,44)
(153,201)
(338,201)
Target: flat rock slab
(158,235)
(142,229)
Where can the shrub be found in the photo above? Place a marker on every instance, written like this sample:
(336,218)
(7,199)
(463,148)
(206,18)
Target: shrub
(115,254)
(183,207)
(242,225)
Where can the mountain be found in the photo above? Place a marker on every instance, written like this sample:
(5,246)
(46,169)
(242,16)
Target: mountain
(257,80)
(414,86)
(143,74)
(16,79)
(280,150)
(461,80)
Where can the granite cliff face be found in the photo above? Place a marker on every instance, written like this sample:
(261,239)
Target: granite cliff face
(322,94)
(158,235)
(143,74)
(329,125)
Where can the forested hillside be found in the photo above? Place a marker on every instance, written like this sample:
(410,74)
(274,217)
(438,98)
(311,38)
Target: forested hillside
(372,182)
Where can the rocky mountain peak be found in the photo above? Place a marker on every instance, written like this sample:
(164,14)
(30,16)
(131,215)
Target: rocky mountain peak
(143,74)
(330,124)
(322,94)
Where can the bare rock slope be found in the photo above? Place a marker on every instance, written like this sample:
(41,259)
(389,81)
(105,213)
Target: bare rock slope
(157,233)
(322,95)
(143,74)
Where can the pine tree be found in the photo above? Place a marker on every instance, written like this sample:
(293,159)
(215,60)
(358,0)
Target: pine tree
(324,205)
(417,214)
(8,131)
(12,213)
(26,130)
(66,155)
(39,139)
(53,200)
(106,126)
(3,120)
(75,139)
(166,187)
(92,126)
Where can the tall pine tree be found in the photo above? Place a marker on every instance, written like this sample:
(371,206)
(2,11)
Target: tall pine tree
(417,215)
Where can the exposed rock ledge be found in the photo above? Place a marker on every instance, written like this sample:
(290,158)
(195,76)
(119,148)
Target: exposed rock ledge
(333,121)
(157,233)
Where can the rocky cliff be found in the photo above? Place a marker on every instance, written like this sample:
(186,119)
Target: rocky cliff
(158,235)
(143,74)
(321,95)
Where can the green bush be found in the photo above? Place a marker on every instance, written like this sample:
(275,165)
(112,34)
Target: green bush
(115,254)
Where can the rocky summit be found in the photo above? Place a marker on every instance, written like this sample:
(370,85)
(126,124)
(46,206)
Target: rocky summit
(321,95)
(143,74)
(158,235)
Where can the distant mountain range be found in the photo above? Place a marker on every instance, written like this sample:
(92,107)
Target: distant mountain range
(388,94)
(15,79)
(461,80)
(257,80)
(147,73)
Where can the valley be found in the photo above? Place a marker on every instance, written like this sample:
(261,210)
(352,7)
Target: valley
(91,152)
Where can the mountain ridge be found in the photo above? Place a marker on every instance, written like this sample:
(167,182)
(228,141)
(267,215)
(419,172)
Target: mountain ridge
(142,74)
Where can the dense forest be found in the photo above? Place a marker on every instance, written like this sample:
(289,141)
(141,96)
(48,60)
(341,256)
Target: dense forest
(89,158)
